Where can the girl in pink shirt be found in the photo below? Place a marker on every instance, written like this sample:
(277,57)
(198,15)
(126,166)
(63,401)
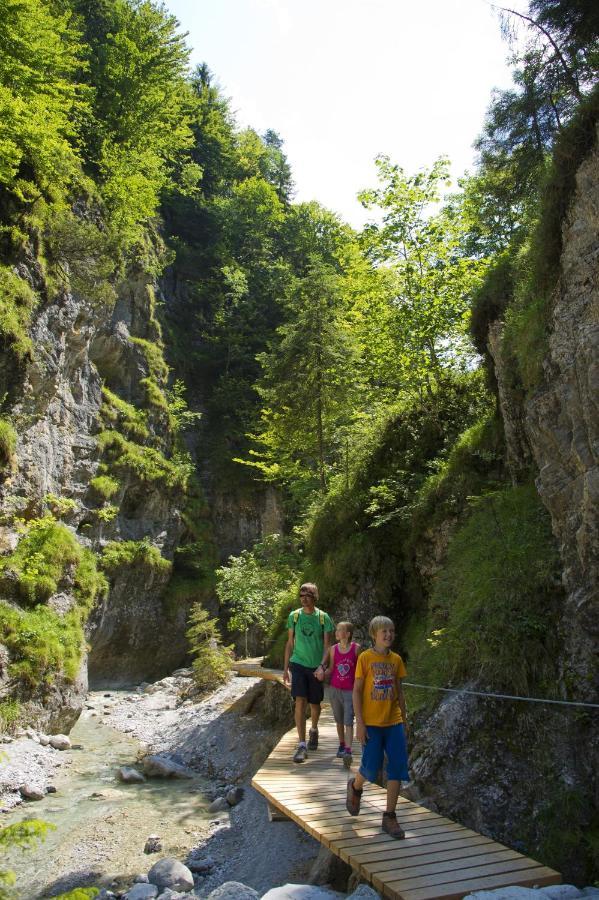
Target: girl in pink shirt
(341,664)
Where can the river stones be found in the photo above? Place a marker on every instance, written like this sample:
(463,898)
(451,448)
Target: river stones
(153,844)
(218,805)
(31,792)
(234,796)
(129,775)
(233,890)
(142,892)
(60,742)
(170,873)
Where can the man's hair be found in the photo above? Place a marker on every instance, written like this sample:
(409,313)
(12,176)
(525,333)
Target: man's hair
(310,588)
(348,627)
(377,623)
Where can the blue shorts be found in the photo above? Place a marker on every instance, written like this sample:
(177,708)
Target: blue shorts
(389,741)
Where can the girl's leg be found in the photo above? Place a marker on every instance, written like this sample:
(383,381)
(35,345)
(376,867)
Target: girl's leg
(340,732)
(348,735)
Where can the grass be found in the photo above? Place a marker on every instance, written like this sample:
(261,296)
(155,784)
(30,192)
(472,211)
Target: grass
(34,570)
(104,486)
(10,711)
(146,463)
(154,357)
(126,417)
(133,553)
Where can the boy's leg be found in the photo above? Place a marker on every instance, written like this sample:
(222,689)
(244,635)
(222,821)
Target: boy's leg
(392,795)
(372,758)
(397,770)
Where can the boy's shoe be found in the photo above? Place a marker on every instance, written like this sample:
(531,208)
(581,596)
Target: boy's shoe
(352,802)
(347,758)
(341,751)
(313,739)
(301,754)
(392,827)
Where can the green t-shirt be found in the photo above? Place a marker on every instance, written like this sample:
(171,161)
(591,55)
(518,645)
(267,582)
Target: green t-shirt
(309,637)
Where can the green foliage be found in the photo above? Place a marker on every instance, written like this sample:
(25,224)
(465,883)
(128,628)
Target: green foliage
(212,660)
(60,507)
(153,354)
(497,593)
(38,564)
(41,643)
(105,486)
(133,553)
(24,835)
(10,711)
(124,416)
(146,463)
(181,416)
(250,586)
(8,444)
(17,301)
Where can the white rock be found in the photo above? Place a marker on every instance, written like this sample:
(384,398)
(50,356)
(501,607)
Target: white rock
(60,742)
(562,892)
(44,740)
(170,873)
(306,892)
(364,892)
(233,890)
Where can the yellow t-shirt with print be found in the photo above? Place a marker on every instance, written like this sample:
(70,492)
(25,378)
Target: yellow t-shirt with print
(380,705)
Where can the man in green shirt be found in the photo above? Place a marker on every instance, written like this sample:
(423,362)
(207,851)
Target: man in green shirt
(306,652)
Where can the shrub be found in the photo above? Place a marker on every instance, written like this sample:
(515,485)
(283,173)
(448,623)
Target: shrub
(154,357)
(132,421)
(10,711)
(146,463)
(39,561)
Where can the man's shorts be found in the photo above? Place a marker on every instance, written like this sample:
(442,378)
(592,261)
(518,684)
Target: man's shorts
(389,741)
(304,684)
(342,705)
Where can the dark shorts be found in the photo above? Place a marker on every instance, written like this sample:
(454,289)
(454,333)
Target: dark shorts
(389,741)
(304,684)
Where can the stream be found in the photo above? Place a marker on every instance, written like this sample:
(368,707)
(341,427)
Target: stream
(101,824)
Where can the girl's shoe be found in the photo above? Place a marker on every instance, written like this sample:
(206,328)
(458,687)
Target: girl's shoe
(347,758)
(340,752)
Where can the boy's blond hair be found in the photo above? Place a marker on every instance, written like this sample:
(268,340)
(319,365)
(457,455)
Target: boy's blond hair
(348,627)
(377,623)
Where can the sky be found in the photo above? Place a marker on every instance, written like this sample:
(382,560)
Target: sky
(344,80)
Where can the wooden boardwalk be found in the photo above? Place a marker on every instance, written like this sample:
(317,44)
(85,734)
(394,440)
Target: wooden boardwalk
(437,859)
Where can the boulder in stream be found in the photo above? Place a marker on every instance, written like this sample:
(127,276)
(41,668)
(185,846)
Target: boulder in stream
(129,775)
(60,742)
(170,873)
(31,792)
(233,890)
(161,766)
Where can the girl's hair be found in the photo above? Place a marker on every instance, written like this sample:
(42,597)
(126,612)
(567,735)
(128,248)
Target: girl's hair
(348,627)
(377,623)
(311,588)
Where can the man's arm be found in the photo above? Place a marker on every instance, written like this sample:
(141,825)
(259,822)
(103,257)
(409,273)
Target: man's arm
(320,671)
(357,698)
(288,652)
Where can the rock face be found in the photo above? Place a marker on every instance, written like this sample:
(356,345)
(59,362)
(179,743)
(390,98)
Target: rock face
(562,422)
(57,406)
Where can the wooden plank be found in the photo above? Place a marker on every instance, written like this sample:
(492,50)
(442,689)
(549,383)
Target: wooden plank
(539,877)
(461,852)
(512,867)
(424,865)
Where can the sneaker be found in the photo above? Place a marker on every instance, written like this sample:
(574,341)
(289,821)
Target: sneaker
(341,751)
(313,739)
(392,827)
(301,754)
(347,758)
(353,798)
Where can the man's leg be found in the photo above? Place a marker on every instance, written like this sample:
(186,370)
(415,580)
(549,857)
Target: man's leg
(300,718)
(315,714)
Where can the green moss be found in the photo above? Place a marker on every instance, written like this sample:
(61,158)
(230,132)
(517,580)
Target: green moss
(17,301)
(154,357)
(133,553)
(148,464)
(155,396)
(8,444)
(104,486)
(495,602)
(124,416)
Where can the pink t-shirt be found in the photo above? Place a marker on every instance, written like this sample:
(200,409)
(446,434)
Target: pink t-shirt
(344,668)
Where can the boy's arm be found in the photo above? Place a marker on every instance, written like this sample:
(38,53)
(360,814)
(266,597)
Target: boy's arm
(288,652)
(357,699)
(401,699)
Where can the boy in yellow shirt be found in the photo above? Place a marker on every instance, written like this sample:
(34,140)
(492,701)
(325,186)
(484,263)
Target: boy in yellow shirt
(381,723)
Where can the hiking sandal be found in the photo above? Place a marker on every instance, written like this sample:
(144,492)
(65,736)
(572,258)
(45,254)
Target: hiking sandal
(352,802)
(392,827)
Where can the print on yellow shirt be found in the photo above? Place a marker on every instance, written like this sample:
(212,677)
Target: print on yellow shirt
(380,705)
